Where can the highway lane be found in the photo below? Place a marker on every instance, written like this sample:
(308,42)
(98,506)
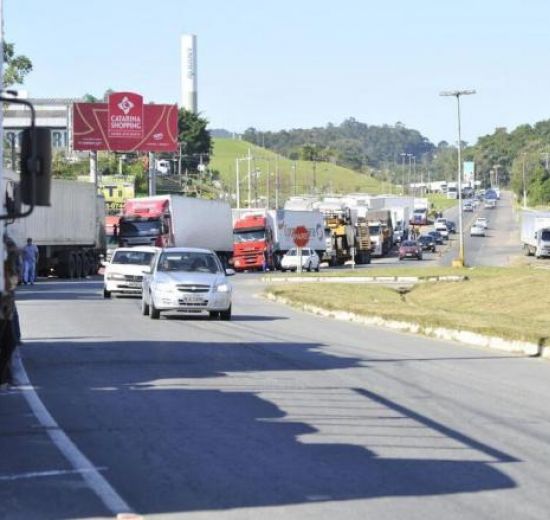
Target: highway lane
(276,414)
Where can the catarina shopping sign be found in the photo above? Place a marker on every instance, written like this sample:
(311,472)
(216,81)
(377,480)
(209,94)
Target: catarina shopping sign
(125,124)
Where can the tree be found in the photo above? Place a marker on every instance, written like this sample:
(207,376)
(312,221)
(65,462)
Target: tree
(17,67)
(195,139)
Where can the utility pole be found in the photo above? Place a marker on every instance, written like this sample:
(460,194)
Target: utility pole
(267,182)
(238,182)
(295,180)
(249,179)
(93,167)
(524,185)
(403,155)
(277,182)
(457,94)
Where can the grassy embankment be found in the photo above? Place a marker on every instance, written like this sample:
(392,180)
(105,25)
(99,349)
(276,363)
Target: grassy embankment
(329,177)
(510,303)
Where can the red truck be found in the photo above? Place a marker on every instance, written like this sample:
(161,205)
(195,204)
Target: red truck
(261,238)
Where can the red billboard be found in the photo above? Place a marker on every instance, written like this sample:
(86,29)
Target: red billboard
(125,124)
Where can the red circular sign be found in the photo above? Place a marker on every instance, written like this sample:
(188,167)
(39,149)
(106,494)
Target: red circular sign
(300,235)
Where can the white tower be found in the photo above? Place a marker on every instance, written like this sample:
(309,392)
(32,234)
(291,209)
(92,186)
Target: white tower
(189,72)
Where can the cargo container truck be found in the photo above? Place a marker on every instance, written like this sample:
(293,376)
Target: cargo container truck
(261,238)
(535,233)
(70,234)
(175,220)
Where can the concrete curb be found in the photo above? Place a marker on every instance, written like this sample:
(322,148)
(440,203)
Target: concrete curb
(364,279)
(462,336)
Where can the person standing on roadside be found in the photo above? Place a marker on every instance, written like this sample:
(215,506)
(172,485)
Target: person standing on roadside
(30,259)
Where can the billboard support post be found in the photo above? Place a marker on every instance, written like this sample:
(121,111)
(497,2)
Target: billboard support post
(152,175)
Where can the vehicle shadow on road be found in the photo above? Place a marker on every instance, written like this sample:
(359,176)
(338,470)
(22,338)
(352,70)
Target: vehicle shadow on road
(234,317)
(191,426)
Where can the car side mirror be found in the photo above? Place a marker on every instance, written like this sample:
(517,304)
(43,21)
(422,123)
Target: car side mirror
(230,272)
(36,166)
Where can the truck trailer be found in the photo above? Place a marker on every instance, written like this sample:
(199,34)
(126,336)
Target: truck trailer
(535,233)
(262,237)
(70,234)
(175,220)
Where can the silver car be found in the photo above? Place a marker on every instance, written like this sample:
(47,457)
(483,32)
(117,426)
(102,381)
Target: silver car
(187,280)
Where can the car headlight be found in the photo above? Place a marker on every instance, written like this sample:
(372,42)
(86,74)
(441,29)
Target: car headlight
(222,287)
(164,287)
(115,276)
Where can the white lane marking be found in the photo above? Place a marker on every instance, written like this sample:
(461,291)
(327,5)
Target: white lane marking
(97,483)
(51,473)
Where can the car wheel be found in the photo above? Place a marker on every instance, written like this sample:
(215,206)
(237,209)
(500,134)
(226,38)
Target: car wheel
(283,270)
(214,315)
(318,268)
(106,293)
(154,313)
(144,307)
(308,268)
(225,315)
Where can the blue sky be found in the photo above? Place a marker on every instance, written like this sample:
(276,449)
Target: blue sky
(302,63)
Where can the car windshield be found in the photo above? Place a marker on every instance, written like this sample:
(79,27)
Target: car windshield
(189,262)
(132,257)
(140,228)
(425,239)
(545,235)
(248,236)
(409,243)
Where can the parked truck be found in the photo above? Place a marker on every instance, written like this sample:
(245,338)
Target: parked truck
(261,238)
(380,231)
(175,220)
(70,234)
(535,233)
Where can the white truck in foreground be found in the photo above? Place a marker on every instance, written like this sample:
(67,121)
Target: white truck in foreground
(70,233)
(535,233)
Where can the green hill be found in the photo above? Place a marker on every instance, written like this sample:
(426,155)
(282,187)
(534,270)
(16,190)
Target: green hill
(295,177)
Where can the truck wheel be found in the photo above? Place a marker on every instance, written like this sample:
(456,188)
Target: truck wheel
(154,313)
(144,307)
(226,315)
(106,293)
(72,266)
(78,265)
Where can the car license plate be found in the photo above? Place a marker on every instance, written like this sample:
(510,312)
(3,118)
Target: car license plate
(134,285)
(192,298)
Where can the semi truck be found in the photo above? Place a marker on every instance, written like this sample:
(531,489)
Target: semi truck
(175,220)
(70,234)
(380,231)
(261,238)
(535,233)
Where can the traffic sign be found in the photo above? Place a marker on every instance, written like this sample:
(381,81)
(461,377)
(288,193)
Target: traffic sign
(300,235)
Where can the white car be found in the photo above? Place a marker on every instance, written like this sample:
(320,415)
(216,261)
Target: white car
(310,260)
(440,225)
(187,280)
(477,231)
(124,272)
(481,221)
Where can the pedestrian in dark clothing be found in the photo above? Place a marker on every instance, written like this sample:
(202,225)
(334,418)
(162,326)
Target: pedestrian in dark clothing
(30,259)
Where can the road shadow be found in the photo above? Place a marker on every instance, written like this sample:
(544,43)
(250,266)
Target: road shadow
(190,426)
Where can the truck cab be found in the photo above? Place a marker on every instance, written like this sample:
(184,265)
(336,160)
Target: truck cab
(145,222)
(251,244)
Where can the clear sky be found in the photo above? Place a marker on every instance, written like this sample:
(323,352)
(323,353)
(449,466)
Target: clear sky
(301,63)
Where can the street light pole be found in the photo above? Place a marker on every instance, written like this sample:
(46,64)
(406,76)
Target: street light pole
(524,186)
(403,155)
(457,94)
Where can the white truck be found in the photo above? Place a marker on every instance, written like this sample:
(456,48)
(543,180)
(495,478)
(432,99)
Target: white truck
(70,233)
(175,220)
(535,233)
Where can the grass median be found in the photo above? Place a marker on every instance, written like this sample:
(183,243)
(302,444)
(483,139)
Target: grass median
(511,303)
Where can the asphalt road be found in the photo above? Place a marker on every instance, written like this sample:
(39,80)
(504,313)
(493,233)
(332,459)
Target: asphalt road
(276,414)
